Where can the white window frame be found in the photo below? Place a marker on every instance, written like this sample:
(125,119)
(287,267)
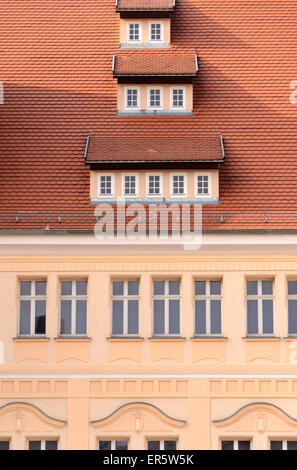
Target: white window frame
(166,297)
(3,439)
(236,441)
(136,185)
(290,297)
(73,298)
(161,97)
(125,297)
(99,185)
(33,297)
(129,108)
(185,184)
(150,32)
(134,41)
(42,441)
(147,185)
(203,173)
(162,441)
(208,297)
(113,442)
(176,108)
(259,298)
(284,442)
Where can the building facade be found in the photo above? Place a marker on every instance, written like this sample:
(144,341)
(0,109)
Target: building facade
(148,345)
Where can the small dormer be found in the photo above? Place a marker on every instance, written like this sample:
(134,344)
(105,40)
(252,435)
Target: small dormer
(145,23)
(155,83)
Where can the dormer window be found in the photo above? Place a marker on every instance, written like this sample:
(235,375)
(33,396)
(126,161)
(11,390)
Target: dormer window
(154,185)
(105,185)
(156,32)
(130,185)
(203,184)
(178,184)
(178,98)
(155,97)
(132,98)
(134,32)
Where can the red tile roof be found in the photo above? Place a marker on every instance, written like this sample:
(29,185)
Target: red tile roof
(55,63)
(147,64)
(202,149)
(145,5)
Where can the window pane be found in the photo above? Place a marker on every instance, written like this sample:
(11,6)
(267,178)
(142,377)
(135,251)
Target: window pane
(174,287)
(215,287)
(267,316)
(215,316)
(292,287)
(34,445)
(174,327)
(121,445)
(132,317)
(81,317)
(65,317)
(169,445)
(292,445)
(159,287)
(25,288)
(66,287)
(40,287)
(159,321)
(25,309)
(227,445)
(200,317)
(292,316)
(104,445)
(252,287)
(200,287)
(40,314)
(51,445)
(244,445)
(252,317)
(133,287)
(267,287)
(4,445)
(153,445)
(276,445)
(117,317)
(118,288)
(81,287)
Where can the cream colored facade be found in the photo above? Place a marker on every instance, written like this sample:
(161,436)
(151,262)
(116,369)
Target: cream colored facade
(196,390)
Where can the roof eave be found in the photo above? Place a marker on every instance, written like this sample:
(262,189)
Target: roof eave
(190,75)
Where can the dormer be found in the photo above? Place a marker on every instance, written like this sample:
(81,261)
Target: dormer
(155,83)
(145,23)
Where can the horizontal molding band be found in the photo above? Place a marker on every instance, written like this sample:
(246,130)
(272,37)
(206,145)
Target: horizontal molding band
(150,376)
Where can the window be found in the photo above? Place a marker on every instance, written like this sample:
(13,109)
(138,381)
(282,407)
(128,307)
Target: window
(283,445)
(166,302)
(203,184)
(32,307)
(178,184)
(155,97)
(125,306)
(121,444)
(130,185)
(134,32)
(73,307)
(43,445)
(166,444)
(156,32)
(4,445)
(178,98)
(292,307)
(236,445)
(207,307)
(154,185)
(259,307)
(132,98)
(105,185)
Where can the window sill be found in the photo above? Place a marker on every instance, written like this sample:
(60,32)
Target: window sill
(147,112)
(31,338)
(167,338)
(144,45)
(261,338)
(209,338)
(290,337)
(115,339)
(72,338)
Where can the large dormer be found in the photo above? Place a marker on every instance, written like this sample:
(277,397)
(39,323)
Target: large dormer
(145,23)
(155,83)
